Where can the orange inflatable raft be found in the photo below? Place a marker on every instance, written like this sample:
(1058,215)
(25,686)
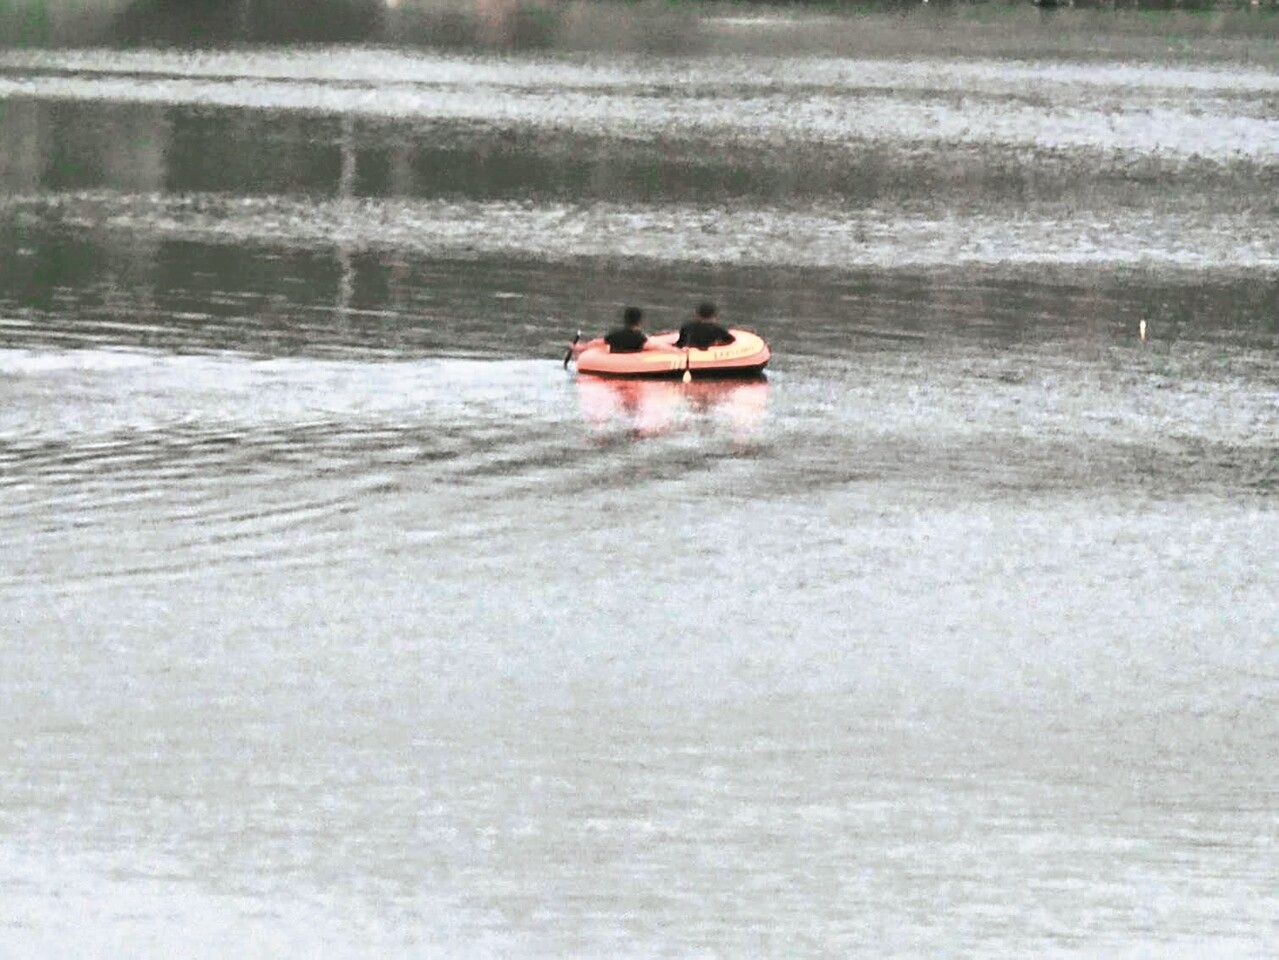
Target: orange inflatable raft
(746,356)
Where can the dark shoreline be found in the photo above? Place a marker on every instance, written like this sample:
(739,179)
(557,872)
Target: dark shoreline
(1141,29)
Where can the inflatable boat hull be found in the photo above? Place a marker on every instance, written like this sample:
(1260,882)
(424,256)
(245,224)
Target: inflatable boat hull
(746,356)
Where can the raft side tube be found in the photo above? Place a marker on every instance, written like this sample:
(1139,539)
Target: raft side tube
(746,356)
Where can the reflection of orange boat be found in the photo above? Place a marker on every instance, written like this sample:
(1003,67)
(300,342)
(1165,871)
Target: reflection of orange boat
(651,407)
(746,356)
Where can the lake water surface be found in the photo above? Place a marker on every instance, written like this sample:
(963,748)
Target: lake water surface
(338,619)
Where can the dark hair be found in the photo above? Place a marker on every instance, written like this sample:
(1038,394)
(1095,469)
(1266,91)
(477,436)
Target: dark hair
(706,310)
(632,316)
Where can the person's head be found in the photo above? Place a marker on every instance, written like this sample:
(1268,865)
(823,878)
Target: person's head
(706,310)
(632,316)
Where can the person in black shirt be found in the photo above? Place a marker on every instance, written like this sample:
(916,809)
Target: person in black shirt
(627,338)
(704,330)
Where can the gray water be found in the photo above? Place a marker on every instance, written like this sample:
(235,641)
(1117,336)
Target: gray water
(339,620)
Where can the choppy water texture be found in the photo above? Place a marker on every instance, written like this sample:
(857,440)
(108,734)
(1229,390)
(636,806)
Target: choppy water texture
(338,619)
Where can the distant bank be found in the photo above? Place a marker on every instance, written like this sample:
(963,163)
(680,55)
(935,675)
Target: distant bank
(651,26)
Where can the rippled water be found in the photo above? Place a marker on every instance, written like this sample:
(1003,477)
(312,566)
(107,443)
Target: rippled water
(339,618)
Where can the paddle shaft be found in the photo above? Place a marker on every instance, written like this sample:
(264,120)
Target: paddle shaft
(568,355)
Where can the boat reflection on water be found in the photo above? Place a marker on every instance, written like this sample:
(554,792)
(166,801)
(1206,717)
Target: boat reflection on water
(651,408)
